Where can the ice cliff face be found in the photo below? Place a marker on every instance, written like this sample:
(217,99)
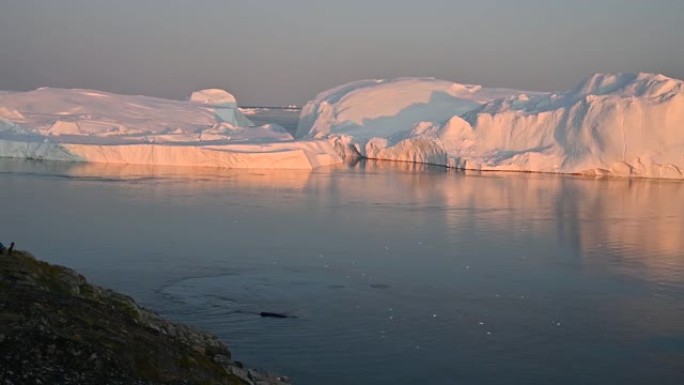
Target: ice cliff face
(613,124)
(94,126)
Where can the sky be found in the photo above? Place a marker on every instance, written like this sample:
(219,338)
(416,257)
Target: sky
(281,52)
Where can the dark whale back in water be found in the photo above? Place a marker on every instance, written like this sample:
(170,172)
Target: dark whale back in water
(268,314)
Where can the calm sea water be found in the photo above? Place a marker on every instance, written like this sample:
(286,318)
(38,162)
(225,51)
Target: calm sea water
(396,274)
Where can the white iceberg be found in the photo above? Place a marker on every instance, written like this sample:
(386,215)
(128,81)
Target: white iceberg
(94,126)
(611,124)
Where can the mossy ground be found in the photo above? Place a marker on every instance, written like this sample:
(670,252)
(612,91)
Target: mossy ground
(59,329)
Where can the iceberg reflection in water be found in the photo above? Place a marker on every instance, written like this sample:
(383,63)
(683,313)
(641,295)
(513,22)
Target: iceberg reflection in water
(397,273)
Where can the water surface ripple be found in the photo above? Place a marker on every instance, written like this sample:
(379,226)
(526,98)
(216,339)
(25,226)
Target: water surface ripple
(393,273)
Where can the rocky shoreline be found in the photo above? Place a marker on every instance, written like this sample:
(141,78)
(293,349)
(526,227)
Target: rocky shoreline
(56,328)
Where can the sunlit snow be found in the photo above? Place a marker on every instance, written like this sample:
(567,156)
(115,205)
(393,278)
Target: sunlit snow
(610,124)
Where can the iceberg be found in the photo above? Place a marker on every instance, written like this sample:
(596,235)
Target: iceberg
(93,126)
(626,124)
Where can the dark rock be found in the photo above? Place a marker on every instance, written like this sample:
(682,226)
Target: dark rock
(59,329)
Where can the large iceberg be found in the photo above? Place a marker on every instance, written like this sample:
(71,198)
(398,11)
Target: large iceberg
(94,126)
(628,124)
(610,124)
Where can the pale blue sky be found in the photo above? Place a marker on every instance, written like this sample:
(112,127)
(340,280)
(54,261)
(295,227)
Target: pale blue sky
(277,52)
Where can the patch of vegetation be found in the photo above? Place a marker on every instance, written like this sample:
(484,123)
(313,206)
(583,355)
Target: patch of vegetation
(87,290)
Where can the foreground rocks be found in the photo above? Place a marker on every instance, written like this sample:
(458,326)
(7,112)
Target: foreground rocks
(56,328)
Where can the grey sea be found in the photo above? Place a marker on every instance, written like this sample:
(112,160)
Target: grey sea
(392,273)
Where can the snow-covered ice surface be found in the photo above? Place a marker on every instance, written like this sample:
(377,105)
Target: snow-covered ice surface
(94,126)
(629,124)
